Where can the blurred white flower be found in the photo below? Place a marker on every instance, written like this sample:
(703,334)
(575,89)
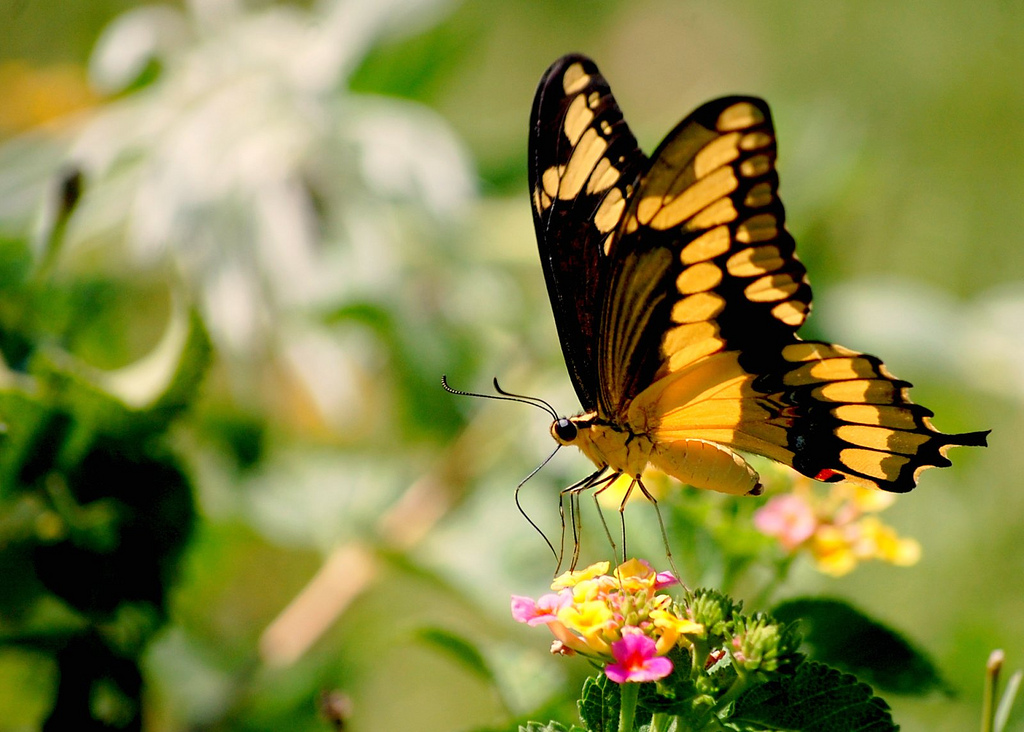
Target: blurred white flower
(250,167)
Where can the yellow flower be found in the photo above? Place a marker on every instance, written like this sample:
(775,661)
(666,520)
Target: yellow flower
(588,618)
(832,551)
(673,628)
(881,542)
(871,500)
(636,575)
(573,578)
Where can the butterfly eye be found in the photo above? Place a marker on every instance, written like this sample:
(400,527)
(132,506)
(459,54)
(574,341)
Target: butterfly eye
(564,430)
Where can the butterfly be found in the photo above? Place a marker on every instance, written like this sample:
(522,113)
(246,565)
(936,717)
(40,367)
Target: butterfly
(677,295)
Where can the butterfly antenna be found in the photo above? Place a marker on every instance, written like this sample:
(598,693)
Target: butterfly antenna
(536,401)
(523,512)
(502,396)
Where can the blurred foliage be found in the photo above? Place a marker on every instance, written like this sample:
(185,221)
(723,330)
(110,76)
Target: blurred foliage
(230,479)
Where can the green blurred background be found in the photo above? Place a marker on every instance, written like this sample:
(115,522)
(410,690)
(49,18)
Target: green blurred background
(340,188)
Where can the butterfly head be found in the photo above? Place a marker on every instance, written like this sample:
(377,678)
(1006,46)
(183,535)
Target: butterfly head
(564,431)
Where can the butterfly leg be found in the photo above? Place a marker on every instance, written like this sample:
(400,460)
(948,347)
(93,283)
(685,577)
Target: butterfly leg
(600,486)
(573,493)
(622,522)
(664,533)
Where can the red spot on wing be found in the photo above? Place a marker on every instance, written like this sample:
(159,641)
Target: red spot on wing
(828,475)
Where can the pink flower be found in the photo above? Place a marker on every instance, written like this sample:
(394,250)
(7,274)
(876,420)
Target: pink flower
(544,610)
(636,659)
(789,518)
(665,579)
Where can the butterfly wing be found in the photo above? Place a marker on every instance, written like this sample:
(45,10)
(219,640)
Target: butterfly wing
(702,262)
(698,337)
(583,164)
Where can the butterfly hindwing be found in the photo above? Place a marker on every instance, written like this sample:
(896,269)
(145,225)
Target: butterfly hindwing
(583,164)
(849,418)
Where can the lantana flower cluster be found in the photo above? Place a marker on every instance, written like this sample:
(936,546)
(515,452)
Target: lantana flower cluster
(620,619)
(839,528)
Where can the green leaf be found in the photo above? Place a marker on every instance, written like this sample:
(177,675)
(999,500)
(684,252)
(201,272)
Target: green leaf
(460,650)
(419,66)
(674,694)
(841,635)
(817,698)
(599,704)
(549,727)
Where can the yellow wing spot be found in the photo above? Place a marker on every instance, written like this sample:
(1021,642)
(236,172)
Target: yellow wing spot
(755,140)
(891,416)
(791,312)
(577,119)
(648,207)
(761,227)
(700,195)
(698,278)
(603,177)
(831,369)
(699,307)
(607,216)
(715,154)
(860,391)
(593,100)
(880,438)
(876,464)
(632,224)
(606,128)
(771,288)
(814,351)
(607,245)
(581,163)
(755,166)
(549,180)
(759,195)
(707,246)
(720,212)
(684,344)
(575,79)
(541,200)
(834,369)
(754,261)
(739,116)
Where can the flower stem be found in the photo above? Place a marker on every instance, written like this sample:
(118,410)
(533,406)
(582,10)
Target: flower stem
(661,722)
(733,692)
(628,695)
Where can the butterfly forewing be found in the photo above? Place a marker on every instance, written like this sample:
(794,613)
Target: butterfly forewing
(584,163)
(702,262)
